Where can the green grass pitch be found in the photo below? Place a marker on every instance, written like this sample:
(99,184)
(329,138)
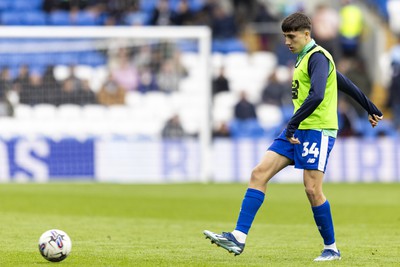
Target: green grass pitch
(161,225)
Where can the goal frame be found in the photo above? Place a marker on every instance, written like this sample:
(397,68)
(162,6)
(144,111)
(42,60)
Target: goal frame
(201,33)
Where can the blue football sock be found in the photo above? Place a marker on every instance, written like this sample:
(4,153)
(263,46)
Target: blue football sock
(252,201)
(323,219)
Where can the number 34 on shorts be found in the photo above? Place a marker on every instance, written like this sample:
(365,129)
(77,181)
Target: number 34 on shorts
(314,150)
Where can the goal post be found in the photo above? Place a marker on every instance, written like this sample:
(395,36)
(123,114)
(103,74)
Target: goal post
(34,41)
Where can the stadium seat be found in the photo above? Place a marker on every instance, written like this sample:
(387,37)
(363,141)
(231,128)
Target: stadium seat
(187,46)
(67,58)
(59,18)
(270,118)
(93,112)
(85,18)
(16,60)
(117,112)
(26,4)
(40,59)
(223,108)
(34,18)
(136,18)
(196,5)
(92,58)
(69,112)
(158,103)
(44,112)
(134,99)
(263,59)
(11,18)
(189,60)
(246,129)
(5,5)
(237,60)
(23,112)
(228,45)
(148,5)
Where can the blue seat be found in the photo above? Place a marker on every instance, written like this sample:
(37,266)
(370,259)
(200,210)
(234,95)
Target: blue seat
(92,58)
(84,18)
(136,18)
(188,46)
(5,4)
(196,5)
(59,18)
(26,4)
(15,60)
(11,18)
(249,128)
(148,5)
(37,18)
(37,69)
(66,58)
(41,59)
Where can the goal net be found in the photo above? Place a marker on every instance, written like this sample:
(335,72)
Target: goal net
(113,104)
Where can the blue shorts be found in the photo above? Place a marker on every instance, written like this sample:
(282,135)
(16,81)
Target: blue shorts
(311,154)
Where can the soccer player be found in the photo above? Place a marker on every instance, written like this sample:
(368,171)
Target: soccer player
(307,140)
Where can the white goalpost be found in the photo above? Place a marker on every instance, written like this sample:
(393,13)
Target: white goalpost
(43,141)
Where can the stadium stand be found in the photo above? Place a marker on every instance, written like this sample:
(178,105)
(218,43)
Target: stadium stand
(232,53)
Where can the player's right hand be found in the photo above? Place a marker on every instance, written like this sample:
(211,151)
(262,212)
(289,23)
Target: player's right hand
(293,140)
(374,119)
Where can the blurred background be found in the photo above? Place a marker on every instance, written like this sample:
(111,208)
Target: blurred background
(183,90)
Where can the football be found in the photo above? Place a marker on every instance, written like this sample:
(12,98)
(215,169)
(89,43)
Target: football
(54,245)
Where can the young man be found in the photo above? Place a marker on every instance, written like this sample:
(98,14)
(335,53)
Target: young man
(307,140)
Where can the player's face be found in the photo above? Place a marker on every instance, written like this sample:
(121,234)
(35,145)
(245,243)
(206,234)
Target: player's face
(296,40)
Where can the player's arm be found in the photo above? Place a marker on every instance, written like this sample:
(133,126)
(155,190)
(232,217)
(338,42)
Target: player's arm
(318,70)
(349,88)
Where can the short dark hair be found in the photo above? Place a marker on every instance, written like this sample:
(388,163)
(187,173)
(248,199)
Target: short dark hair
(296,22)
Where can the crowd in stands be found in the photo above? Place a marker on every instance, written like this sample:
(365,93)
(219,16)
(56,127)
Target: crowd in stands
(149,68)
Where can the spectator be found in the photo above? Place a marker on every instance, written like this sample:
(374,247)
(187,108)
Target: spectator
(276,93)
(173,129)
(244,109)
(6,86)
(220,83)
(147,81)
(351,28)
(326,23)
(353,68)
(223,24)
(169,77)
(263,15)
(162,14)
(123,71)
(135,16)
(76,83)
(116,10)
(22,79)
(204,16)
(143,56)
(6,83)
(32,93)
(245,123)
(183,15)
(394,88)
(111,93)
(347,118)
(51,88)
(222,130)
(69,93)
(85,95)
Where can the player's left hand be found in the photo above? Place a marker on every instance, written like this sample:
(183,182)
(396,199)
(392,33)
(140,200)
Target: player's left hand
(293,140)
(374,119)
